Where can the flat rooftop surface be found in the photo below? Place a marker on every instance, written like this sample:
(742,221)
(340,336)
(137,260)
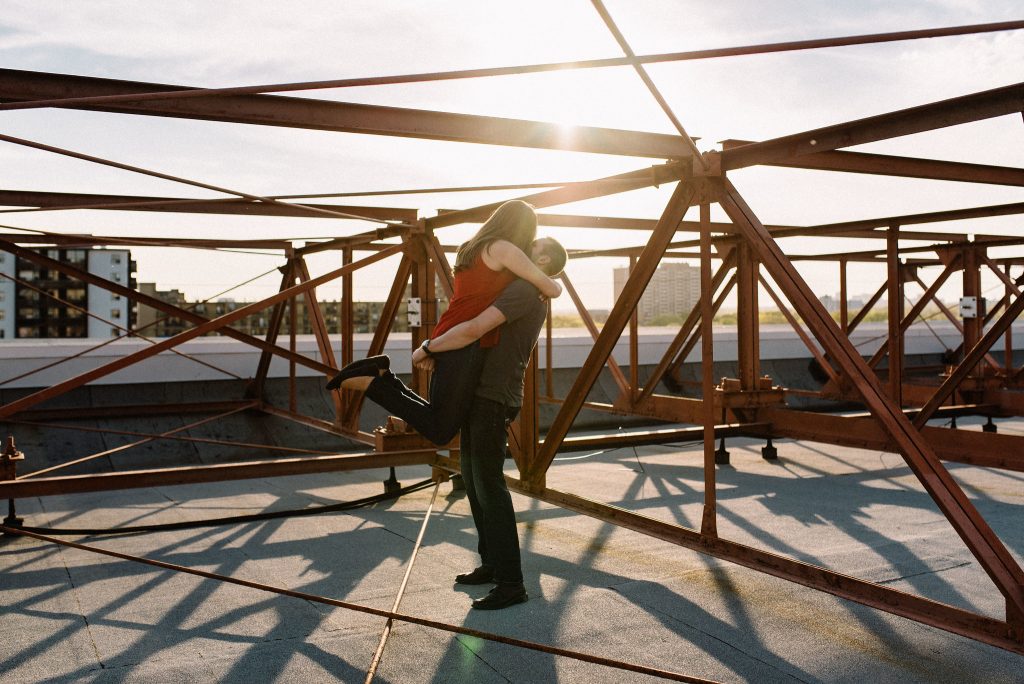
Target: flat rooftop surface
(68,615)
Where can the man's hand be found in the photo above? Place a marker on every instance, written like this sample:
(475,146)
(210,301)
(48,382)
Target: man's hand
(418,356)
(422,359)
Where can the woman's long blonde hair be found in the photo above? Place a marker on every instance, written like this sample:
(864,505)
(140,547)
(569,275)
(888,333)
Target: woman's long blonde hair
(515,221)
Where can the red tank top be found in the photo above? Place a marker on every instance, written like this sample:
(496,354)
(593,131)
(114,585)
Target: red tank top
(476,288)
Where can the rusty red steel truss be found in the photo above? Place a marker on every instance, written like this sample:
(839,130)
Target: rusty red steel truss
(741,257)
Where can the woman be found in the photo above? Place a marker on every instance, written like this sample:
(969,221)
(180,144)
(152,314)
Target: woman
(484,266)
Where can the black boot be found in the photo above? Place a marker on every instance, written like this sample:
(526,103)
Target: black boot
(369,367)
(505,594)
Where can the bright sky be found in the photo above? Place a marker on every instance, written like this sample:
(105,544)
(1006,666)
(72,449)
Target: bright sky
(231,43)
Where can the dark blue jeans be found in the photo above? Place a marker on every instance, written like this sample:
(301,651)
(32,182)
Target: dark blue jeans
(484,442)
(456,375)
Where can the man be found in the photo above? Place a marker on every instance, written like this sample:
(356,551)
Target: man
(521,311)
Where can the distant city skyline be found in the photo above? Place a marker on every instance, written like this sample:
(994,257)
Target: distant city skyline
(37,301)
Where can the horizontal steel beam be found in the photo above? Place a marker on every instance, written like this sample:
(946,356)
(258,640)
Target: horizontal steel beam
(618,223)
(63,200)
(80,240)
(166,477)
(951,112)
(990,450)
(326,115)
(841,229)
(575,192)
(890,165)
(665,436)
(631,60)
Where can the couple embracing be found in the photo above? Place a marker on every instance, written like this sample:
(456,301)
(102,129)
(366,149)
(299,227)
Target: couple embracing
(478,352)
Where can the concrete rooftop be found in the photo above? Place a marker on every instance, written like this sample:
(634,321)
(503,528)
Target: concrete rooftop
(68,615)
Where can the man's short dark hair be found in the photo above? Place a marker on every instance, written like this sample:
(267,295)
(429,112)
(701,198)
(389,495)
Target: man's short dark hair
(554,250)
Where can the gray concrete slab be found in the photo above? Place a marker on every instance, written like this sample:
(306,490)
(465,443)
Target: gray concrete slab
(70,615)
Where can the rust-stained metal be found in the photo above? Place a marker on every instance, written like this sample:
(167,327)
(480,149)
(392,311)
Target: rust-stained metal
(915,311)
(709,514)
(328,115)
(951,112)
(894,319)
(681,200)
(177,179)
(971,360)
(1004,571)
(631,60)
(891,165)
(747,253)
(224,472)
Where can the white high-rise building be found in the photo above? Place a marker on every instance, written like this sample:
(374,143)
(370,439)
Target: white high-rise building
(112,264)
(7,300)
(674,290)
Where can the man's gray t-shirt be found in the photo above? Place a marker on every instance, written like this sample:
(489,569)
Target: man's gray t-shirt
(505,365)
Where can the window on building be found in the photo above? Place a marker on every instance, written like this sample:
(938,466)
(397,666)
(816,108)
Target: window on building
(115,298)
(117,277)
(76,256)
(114,332)
(3,314)
(116,259)
(115,313)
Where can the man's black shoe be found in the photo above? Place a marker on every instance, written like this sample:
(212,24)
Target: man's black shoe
(502,596)
(482,575)
(368,367)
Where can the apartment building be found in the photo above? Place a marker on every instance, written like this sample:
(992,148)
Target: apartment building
(674,291)
(38,302)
